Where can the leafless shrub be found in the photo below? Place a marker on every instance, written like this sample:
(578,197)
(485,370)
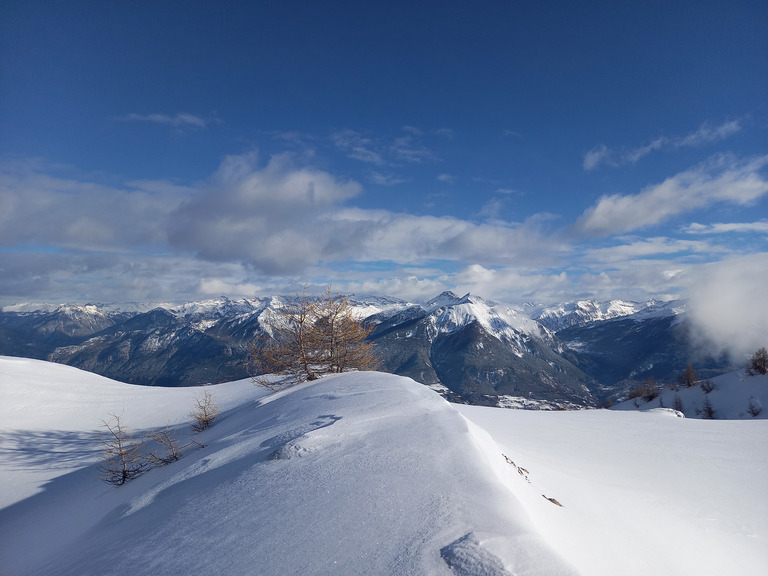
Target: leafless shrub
(754,407)
(707,386)
(204,413)
(688,377)
(123,455)
(758,363)
(308,337)
(648,390)
(166,439)
(707,412)
(678,403)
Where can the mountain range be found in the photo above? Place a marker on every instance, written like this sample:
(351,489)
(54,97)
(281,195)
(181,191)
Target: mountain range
(469,349)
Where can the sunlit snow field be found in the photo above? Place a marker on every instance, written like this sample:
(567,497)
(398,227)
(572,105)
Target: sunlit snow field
(373,474)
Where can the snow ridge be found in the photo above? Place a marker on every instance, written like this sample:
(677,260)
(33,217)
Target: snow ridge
(361,473)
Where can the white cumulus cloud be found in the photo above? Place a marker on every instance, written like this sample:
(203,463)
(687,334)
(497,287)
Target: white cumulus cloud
(270,217)
(720,179)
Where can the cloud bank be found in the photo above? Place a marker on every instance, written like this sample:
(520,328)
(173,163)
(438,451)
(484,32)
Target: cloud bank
(720,179)
(728,305)
(60,212)
(282,219)
(269,224)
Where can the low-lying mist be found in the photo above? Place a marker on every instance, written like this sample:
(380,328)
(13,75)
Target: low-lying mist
(728,307)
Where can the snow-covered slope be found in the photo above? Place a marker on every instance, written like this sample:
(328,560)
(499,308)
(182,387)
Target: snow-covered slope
(357,474)
(641,493)
(735,396)
(373,474)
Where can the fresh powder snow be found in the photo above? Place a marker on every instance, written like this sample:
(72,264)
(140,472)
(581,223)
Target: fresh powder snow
(361,473)
(732,396)
(641,492)
(369,473)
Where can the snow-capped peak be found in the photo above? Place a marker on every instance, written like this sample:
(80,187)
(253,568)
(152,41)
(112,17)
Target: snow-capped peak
(367,306)
(582,312)
(446,298)
(214,307)
(451,313)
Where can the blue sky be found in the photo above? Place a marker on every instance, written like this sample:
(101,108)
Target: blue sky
(540,151)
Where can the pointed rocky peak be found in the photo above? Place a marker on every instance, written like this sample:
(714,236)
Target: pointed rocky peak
(443,297)
(448,298)
(155,318)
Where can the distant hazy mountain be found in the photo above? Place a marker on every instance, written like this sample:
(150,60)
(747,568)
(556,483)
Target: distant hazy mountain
(470,349)
(583,312)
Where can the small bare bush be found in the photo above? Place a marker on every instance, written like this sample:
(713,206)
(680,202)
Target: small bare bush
(123,455)
(707,411)
(707,386)
(758,363)
(754,407)
(308,337)
(648,390)
(166,440)
(678,403)
(688,377)
(204,413)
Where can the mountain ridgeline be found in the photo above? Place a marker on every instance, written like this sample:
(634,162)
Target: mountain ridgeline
(471,350)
